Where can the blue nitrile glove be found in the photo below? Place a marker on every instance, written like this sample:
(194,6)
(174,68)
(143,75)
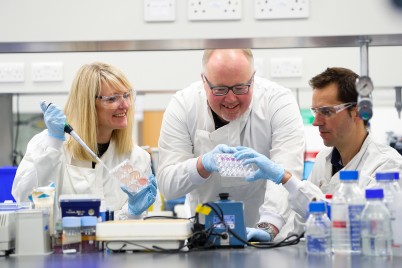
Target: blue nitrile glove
(257,235)
(142,200)
(54,120)
(208,159)
(266,168)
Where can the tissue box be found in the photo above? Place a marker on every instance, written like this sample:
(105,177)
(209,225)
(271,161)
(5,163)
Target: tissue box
(79,205)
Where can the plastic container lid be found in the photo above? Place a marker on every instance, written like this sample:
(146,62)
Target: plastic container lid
(89,221)
(328,196)
(386,176)
(71,222)
(348,175)
(317,206)
(374,193)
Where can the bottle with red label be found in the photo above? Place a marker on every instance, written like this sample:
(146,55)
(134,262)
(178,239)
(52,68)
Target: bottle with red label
(346,209)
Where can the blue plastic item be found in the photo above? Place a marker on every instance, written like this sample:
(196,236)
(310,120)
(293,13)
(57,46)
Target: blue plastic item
(7,175)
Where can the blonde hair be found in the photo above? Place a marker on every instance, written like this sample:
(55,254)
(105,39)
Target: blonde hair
(81,112)
(208,53)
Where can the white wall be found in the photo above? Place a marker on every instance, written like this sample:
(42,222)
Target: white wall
(74,20)
(77,20)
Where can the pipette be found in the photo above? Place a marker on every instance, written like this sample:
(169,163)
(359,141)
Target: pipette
(68,129)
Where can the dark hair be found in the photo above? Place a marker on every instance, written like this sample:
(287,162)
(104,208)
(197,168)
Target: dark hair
(344,78)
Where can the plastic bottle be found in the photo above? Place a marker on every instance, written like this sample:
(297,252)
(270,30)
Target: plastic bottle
(346,207)
(396,226)
(385,181)
(71,240)
(396,181)
(328,201)
(376,225)
(318,230)
(88,234)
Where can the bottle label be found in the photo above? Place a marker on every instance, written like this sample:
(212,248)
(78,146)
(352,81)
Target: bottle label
(317,244)
(355,212)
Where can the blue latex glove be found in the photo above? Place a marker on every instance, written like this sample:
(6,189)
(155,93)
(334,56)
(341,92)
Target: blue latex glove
(208,159)
(266,168)
(142,200)
(257,235)
(54,120)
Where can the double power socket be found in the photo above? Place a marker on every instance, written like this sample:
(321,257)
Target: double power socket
(41,72)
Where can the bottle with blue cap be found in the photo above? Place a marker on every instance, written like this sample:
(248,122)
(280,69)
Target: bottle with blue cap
(71,240)
(386,181)
(318,230)
(346,208)
(88,234)
(376,231)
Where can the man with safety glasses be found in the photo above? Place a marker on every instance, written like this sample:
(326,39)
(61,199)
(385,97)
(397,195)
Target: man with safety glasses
(349,144)
(231,106)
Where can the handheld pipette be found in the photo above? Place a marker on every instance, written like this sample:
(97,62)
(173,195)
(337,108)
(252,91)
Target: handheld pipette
(68,129)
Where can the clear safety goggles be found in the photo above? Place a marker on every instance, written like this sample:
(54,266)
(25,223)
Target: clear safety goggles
(328,111)
(114,101)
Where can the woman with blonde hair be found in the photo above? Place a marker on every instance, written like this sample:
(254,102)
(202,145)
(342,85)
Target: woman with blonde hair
(100,109)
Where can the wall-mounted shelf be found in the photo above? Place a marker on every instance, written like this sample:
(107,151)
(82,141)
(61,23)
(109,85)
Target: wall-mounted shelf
(198,44)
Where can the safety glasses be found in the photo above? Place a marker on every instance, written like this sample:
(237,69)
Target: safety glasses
(239,89)
(328,111)
(114,101)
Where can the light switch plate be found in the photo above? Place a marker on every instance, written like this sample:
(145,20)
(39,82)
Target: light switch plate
(159,10)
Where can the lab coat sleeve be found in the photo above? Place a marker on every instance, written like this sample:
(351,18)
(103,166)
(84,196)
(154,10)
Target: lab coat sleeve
(301,193)
(41,165)
(177,172)
(287,150)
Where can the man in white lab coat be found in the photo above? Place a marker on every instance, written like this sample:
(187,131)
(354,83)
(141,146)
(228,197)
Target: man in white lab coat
(231,106)
(350,145)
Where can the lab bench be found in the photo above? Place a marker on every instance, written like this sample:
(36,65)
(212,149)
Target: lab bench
(284,257)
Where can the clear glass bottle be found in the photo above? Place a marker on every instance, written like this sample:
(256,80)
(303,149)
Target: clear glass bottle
(318,230)
(376,225)
(346,207)
(88,234)
(386,181)
(328,201)
(71,240)
(57,237)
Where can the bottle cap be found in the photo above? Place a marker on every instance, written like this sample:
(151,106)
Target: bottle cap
(348,175)
(328,196)
(374,193)
(386,176)
(317,206)
(71,222)
(89,221)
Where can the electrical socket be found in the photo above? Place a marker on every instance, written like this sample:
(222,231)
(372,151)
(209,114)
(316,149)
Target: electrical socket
(159,10)
(47,71)
(12,72)
(214,9)
(281,9)
(286,67)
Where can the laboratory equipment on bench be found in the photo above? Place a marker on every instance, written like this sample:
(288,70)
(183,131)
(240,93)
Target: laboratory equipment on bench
(169,234)
(32,235)
(7,232)
(79,205)
(225,222)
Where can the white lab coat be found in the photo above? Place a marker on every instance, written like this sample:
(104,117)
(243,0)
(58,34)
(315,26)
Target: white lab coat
(373,157)
(272,126)
(47,160)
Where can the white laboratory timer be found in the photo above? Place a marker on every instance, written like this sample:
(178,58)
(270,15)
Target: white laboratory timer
(364,85)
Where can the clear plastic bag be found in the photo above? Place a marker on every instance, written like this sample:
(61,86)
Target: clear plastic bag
(129,176)
(229,166)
